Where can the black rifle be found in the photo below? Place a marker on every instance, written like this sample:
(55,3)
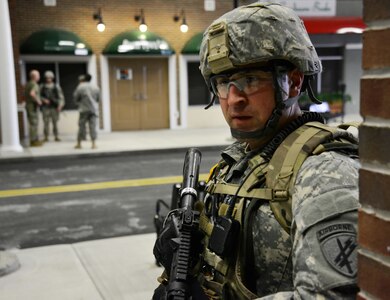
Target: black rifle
(188,224)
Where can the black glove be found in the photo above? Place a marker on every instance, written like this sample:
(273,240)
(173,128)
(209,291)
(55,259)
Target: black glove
(168,241)
(196,291)
(164,246)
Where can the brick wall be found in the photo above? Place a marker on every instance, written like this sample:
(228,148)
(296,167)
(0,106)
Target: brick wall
(28,16)
(15,42)
(374,215)
(118,15)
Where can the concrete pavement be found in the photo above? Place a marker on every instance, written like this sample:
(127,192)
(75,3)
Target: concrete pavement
(115,269)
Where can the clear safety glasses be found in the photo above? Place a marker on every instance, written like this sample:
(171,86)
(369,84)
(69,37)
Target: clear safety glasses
(249,82)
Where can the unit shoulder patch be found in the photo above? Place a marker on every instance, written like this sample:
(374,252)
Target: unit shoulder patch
(339,246)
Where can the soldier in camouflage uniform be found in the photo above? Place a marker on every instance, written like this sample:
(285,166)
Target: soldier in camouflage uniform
(33,102)
(280,217)
(87,96)
(53,102)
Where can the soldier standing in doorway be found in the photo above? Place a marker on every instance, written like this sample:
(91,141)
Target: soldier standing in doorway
(33,102)
(87,96)
(52,104)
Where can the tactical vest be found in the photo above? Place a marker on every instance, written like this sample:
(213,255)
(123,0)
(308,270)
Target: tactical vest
(280,173)
(52,94)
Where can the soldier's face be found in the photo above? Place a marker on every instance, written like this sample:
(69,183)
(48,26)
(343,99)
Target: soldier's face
(247,109)
(36,76)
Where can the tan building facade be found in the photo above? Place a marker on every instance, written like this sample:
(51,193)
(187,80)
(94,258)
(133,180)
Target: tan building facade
(163,87)
(127,104)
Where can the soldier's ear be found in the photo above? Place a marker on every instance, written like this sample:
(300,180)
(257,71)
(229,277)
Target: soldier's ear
(295,82)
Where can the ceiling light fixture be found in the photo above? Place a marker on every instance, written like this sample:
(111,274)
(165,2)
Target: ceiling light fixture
(183,25)
(100,25)
(141,18)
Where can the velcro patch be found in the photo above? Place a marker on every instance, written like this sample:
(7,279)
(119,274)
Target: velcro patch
(339,247)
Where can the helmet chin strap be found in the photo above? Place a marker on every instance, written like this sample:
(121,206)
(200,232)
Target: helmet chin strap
(212,100)
(273,121)
(269,128)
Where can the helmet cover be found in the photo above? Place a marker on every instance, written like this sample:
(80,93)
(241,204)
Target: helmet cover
(256,34)
(49,74)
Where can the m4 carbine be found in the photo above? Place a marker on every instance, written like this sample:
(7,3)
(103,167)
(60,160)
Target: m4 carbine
(188,224)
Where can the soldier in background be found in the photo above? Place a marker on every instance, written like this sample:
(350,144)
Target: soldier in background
(280,215)
(33,102)
(52,103)
(87,96)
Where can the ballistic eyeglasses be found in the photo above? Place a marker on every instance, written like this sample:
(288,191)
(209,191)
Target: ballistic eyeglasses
(248,82)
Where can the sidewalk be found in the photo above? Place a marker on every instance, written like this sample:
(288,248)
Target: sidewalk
(108,269)
(120,268)
(127,141)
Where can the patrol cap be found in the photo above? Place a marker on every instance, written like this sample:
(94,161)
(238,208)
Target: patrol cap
(254,35)
(49,74)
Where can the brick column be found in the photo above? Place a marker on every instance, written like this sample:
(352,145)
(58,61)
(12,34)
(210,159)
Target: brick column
(374,215)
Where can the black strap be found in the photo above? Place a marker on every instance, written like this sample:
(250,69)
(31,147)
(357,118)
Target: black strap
(247,257)
(270,148)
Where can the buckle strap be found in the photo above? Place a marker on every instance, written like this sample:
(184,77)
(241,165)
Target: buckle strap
(231,189)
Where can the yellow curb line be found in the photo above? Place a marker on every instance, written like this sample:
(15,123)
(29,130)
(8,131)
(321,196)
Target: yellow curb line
(95,186)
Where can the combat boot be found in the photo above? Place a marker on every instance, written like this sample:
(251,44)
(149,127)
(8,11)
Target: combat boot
(57,139)
(46,139)
(78,145)
(36,143)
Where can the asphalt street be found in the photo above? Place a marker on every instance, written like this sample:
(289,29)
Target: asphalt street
(56,200)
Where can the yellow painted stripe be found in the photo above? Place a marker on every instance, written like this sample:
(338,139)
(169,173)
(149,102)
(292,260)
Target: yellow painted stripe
(94,186)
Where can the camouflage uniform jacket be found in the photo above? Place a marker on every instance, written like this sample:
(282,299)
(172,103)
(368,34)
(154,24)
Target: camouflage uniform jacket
(318,258)
(86,96)
(31,103)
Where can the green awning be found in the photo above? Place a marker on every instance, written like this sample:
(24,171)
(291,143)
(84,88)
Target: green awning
(138,43)
(55,41)
(193,44)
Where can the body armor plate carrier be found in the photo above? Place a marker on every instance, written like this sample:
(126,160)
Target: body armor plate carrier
(280,173)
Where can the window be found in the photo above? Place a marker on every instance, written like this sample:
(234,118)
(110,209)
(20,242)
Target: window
(198,92)
(331,78)
(328,85)
(69,74)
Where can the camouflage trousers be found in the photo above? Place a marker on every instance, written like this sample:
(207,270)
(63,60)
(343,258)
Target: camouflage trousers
(32,116)
(50,114)
(90,118)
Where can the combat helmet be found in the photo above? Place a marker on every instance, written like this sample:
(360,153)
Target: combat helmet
(49,74)
(258,34)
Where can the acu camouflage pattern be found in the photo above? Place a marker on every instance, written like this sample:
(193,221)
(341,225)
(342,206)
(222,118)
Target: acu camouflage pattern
(84,118)
(32,110)
(87,96)
(53,93)
(318,258)
(50,114)
(256,34)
